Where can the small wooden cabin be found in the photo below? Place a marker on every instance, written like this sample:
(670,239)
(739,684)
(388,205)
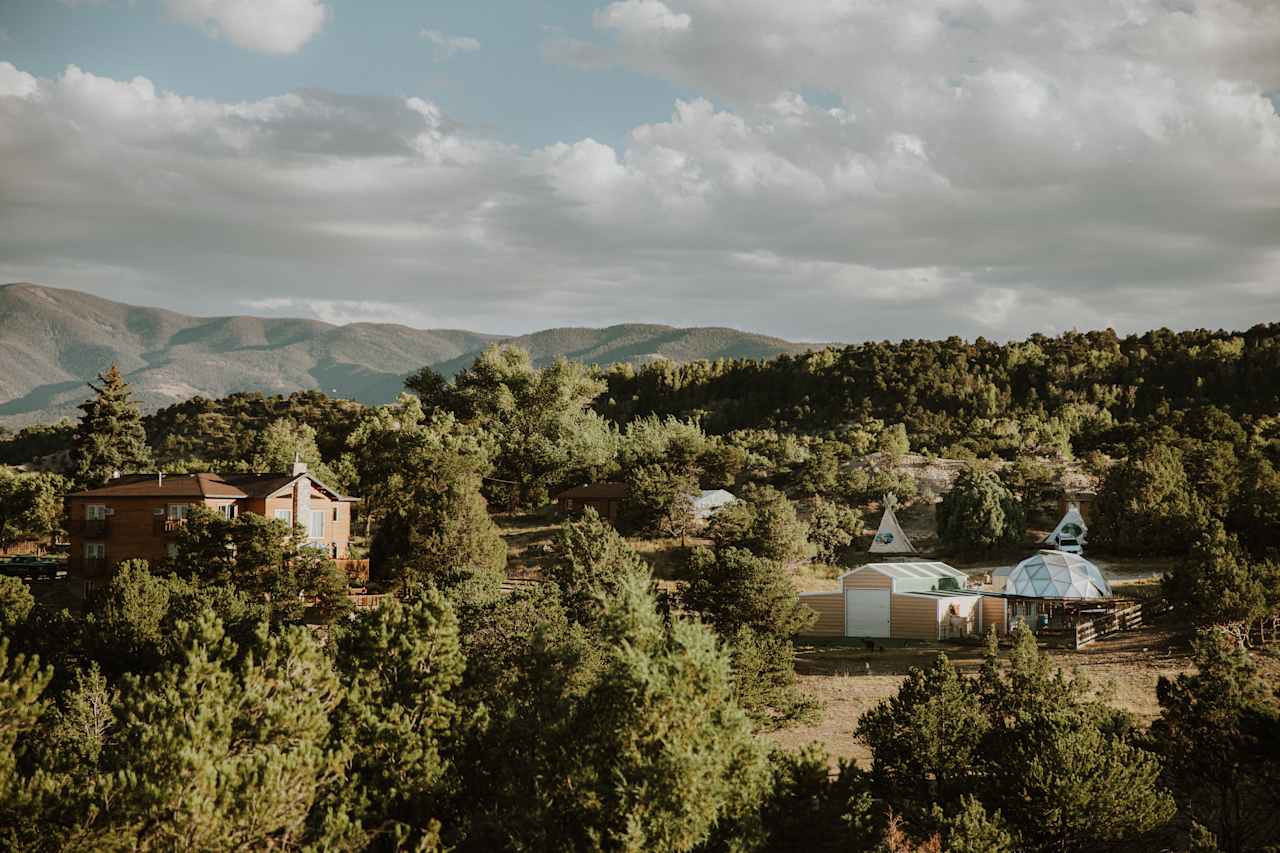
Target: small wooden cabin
(605,497)
(908,601)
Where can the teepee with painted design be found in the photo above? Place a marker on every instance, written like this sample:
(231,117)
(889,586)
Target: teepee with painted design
(890,537)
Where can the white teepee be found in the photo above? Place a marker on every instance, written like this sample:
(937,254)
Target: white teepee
(890,537)
(1072,526)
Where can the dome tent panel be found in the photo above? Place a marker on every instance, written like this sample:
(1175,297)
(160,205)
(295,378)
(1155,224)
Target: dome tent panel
(1055,574)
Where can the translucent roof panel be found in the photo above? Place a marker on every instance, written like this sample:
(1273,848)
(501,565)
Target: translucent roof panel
(912,570)
(1055,574)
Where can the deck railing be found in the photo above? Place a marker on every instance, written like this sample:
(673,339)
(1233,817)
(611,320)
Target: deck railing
(91,528)
(169,526)
(1128,618)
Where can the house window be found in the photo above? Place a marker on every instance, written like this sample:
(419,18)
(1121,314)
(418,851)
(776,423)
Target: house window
(178,511)
(228,511)
(317,524)
(285,515)
(96,512)
(95,551)
(335,513)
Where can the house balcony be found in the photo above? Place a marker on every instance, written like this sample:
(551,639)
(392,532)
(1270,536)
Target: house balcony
(168,526)
(91,528)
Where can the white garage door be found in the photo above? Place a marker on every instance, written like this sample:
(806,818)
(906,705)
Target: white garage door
(866,613)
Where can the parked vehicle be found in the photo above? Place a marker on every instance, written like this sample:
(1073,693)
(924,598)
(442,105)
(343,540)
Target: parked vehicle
(1070,546)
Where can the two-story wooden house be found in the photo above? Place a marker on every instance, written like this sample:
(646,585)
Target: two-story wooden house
(138,516)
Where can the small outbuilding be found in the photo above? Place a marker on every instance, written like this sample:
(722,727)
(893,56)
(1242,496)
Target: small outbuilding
(605,497)
(908,601)
(709,501)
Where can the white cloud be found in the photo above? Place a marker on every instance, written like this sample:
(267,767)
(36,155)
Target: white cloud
(1024,167)
(265,26)
(14,82)
(444,46)
(639,17)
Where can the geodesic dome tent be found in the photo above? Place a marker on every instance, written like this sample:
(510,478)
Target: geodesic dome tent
(1055,574)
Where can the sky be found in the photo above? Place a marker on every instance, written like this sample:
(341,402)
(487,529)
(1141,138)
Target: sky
(821,170)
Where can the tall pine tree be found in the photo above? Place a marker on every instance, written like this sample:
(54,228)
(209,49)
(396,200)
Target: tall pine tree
(110,436)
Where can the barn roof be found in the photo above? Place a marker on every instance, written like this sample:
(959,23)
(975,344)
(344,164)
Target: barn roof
(910,570)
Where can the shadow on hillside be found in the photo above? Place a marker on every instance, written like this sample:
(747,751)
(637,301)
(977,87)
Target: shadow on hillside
(39,398)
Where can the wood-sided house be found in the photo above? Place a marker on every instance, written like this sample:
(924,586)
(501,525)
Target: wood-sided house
(138,516)
(605,497)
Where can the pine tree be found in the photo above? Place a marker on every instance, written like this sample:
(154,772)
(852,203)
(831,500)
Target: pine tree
(926,741)
(1219,729)
(665,751)
(590,560)
(972,830)
(224,750)
(832,527)
(1217,583)
(402,665)
(1146,505)
(22,685)
(979,512)
(110,436)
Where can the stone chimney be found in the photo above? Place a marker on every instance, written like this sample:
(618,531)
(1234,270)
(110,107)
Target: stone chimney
(299,467)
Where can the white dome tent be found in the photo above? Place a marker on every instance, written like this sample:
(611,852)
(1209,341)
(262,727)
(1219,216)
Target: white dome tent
(1055,574)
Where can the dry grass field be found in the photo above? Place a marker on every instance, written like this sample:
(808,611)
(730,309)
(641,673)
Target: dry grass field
(1122,669)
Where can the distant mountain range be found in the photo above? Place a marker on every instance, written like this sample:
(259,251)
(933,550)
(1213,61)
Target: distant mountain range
(52,341)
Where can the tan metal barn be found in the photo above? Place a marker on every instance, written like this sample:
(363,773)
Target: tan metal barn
(909,601)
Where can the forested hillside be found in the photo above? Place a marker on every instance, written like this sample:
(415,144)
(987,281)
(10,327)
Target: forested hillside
(1093,390)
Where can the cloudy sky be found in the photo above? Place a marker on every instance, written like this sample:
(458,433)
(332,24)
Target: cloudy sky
(815,169)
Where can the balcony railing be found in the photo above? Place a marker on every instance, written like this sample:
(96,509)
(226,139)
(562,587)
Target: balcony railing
(169,526)
(91,528)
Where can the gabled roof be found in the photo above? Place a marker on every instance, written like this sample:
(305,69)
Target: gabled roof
(207,485)
(909,570)
(265,485)
(602,489)
(168,486)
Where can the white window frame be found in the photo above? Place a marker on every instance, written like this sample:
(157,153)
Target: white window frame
(95,550)
(95,512)
(176,512)
(317,515)
(285,515)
